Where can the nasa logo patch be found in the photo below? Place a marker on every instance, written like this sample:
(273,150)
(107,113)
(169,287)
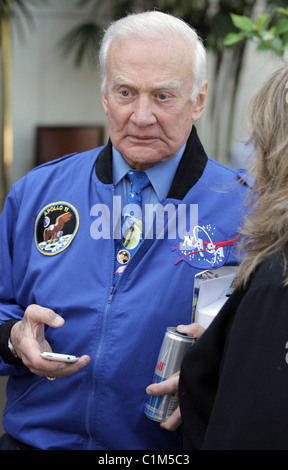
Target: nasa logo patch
(207,248)
(55,227)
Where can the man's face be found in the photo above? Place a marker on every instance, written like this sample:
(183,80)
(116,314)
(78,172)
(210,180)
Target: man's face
(147,99)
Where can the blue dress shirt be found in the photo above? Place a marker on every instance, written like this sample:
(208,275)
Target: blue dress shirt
(160,176)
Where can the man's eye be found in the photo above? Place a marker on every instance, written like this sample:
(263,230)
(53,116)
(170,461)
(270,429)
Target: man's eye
(125,93)
(162,96)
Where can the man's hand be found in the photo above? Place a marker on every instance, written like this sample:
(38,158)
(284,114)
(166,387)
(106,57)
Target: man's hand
(170,386)
(28,340)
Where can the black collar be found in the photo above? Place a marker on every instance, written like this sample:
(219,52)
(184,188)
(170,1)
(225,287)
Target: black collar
(189,170)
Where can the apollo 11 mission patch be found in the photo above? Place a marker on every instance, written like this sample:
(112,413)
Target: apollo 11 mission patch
(55,227)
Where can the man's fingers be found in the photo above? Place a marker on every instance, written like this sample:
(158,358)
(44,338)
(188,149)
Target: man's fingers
(28,339)
(29,333)
(44,367)
(38,314)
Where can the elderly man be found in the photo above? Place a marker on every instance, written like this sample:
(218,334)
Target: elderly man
(70,283)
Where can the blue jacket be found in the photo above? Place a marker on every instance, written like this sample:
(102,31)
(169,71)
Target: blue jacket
(68,267)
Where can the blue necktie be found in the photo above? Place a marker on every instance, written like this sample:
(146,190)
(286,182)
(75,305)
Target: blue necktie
(132,226)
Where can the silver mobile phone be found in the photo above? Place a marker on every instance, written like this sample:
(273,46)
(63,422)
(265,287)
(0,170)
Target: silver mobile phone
(59,357)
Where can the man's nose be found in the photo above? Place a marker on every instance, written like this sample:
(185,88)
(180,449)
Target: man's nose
(143,112)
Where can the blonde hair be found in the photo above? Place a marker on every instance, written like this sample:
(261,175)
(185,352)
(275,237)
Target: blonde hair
(265,230)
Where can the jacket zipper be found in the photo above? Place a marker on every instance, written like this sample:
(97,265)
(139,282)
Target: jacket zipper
(104,324)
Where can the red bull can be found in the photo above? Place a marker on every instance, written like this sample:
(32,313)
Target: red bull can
(173,348)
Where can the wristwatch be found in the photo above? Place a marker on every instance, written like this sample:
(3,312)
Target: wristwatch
(11,348)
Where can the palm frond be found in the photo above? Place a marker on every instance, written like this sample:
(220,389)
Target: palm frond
(12,7)
(82,3)
(98,8)
(18,11)
(83,41)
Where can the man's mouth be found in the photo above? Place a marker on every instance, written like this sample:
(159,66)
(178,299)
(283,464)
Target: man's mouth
(142,138)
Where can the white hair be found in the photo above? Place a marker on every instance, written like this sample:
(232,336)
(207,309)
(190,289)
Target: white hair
(153,25)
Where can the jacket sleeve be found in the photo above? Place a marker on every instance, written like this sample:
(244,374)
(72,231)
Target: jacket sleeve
(9,310)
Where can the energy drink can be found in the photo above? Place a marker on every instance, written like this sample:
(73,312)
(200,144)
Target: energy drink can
(174,347)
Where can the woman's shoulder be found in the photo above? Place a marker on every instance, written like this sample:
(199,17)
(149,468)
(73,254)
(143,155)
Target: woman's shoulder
(274,270)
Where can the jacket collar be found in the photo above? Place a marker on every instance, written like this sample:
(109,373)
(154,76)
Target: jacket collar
(189,171)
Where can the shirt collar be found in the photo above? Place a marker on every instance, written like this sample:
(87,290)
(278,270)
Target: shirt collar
(161,175)
(120,166)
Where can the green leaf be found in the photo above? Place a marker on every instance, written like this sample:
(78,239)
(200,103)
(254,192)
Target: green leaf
(232,38)
(285,39)
(261,21)
(275,46)
(284,11)
(281,27)
(242,22)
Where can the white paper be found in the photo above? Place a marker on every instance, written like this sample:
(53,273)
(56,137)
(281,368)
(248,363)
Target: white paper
(213,289)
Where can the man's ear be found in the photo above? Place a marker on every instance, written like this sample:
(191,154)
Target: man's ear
(105,102)
(200,102)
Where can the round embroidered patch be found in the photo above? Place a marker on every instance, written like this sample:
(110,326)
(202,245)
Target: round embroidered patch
(55,227)
(208,247)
